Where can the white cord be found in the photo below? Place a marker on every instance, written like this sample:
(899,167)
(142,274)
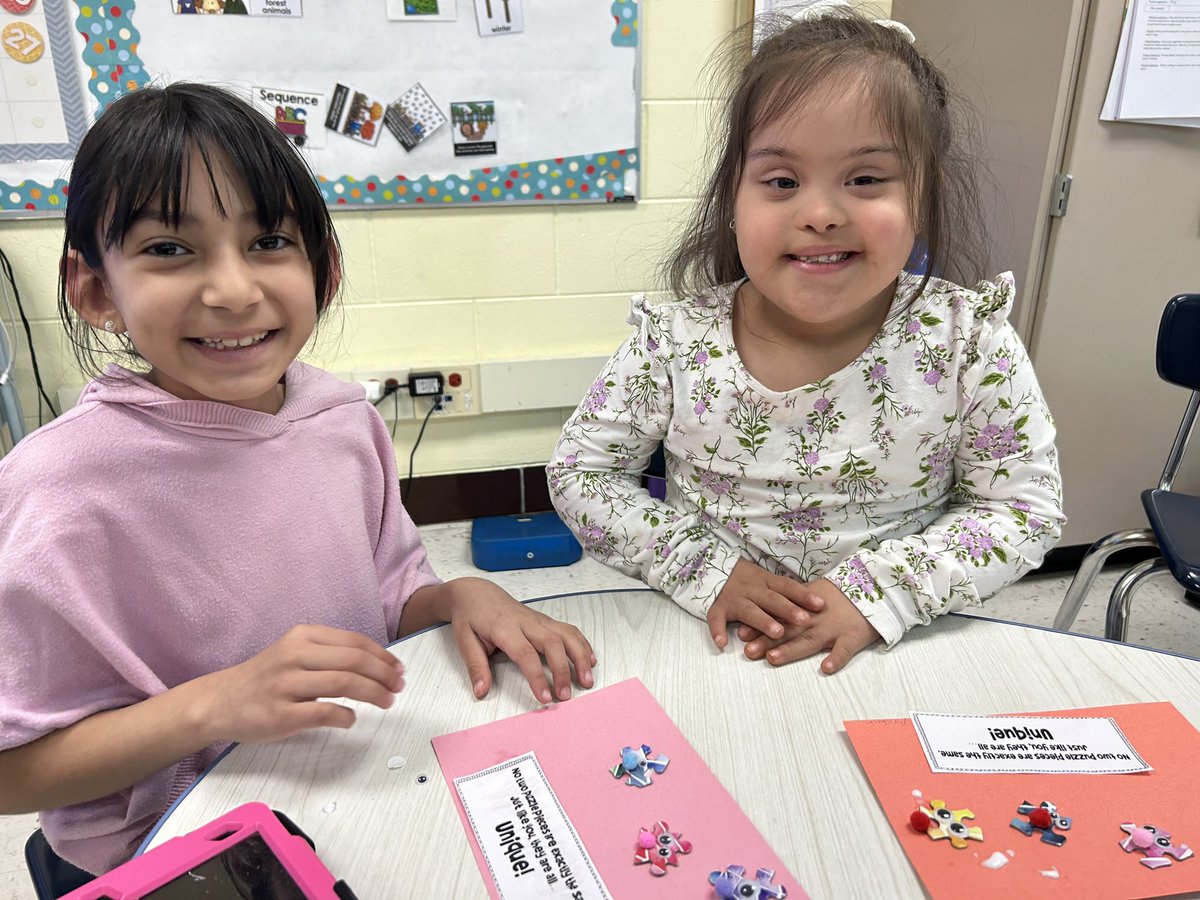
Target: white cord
(8,345)
(4,344)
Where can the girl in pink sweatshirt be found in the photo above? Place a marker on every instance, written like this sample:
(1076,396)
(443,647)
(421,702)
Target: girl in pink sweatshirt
(213,538)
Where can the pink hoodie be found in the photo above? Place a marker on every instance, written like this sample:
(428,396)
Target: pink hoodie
(147,540)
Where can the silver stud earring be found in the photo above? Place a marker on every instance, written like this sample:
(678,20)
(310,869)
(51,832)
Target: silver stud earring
(110,326)
(733,225)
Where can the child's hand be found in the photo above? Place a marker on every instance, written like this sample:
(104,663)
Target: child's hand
(839,628)
(274,695)
(761,601)
(484,618)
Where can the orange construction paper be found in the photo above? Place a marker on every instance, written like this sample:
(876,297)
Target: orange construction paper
(1091,863)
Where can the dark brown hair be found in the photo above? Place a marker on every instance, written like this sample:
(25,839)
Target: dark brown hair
(136,156)
(796,59)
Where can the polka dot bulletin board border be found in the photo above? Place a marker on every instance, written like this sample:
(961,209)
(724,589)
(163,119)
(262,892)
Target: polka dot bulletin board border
(595,176)
(110,57)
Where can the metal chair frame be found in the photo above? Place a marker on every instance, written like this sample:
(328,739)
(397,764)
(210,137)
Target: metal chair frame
(1116,624)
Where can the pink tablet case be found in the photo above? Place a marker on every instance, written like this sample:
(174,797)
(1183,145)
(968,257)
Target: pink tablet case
(179,856)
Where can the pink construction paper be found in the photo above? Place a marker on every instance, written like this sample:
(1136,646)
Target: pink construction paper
(577,744)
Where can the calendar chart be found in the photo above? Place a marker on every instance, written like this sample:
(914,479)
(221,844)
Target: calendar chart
(43,114)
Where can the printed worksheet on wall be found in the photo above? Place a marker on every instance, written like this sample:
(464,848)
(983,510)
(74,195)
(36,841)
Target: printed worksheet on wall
(1156,76)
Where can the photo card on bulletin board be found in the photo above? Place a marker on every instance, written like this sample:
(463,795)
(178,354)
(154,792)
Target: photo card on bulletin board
(567,84)
(422,10)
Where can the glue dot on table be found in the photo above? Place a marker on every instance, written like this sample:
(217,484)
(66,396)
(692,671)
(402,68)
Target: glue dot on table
(1052,872)
(329,807)
(996,861)
(397,762)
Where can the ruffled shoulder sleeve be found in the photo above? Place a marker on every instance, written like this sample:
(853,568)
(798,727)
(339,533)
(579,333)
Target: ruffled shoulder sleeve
(639,310)
(994,299)
(652,324)
(983,316)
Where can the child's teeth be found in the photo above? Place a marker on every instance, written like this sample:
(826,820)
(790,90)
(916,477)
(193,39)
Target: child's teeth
(827,258)
(231,343)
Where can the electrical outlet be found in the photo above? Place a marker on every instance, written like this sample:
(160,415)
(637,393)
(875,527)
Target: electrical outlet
(399,405)
(460,392)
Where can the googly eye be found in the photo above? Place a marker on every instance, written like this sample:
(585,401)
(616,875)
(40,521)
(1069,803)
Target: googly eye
(421,779)
(747,890)
(665,840)
(1162,841)
(944,814)
(958,828)
(1150,828)
(664,851)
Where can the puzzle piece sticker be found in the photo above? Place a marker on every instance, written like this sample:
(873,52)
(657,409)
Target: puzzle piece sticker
(660,847)
(948,823)
(1043,818)
(1155,843)
(636,763)
(731,883)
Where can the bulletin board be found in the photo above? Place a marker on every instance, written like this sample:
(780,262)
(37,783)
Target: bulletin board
(394,103)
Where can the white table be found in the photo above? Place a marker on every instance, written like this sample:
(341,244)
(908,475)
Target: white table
(393,834)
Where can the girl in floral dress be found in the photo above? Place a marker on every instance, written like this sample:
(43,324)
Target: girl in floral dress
(853,447)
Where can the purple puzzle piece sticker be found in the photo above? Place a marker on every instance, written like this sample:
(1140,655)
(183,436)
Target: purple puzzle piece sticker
(1154,843)
(731,883)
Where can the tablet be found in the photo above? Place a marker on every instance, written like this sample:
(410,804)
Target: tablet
(246,853)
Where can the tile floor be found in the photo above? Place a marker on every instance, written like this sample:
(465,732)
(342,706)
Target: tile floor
(1159,619)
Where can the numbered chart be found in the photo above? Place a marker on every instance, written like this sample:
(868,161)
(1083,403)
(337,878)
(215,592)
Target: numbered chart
(42,111)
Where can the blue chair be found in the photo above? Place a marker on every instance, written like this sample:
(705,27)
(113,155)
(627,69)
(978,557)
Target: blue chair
(1174,517)
(52,875)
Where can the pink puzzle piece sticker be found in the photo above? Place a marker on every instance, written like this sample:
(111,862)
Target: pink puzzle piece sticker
(1155,843)
(660,847)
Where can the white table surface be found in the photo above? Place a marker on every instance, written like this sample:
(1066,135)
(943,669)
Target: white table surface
(391,835)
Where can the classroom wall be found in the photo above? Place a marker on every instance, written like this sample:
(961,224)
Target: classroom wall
(451,287)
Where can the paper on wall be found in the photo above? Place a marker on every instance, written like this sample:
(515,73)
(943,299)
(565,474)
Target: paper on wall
(1156,74)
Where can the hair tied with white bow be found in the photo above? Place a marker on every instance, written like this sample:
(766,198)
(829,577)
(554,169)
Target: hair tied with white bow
(898,26)
(813,9)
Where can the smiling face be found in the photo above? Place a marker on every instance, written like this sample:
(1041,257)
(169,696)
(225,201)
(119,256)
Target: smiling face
(218,306)
(822,217)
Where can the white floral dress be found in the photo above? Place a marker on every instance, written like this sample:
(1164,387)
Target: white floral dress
(919,479)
